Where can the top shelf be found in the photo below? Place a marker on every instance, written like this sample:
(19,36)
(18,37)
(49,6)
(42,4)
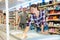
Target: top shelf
(49,4)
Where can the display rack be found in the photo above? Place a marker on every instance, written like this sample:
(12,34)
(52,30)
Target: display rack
(54,25)
(13,18)
(2,17)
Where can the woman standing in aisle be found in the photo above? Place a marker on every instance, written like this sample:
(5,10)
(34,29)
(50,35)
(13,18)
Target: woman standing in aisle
(39,20)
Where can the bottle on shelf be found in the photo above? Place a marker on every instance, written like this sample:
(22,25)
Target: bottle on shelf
(55,17)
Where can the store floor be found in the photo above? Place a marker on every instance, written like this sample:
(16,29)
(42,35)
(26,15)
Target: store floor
(2,32)
(2,35)
(32,35)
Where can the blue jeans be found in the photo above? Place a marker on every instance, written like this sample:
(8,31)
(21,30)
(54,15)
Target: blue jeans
(45,28)
(32,27)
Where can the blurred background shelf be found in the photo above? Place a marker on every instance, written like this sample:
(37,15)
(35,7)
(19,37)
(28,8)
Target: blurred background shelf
(55,26)
(53,20)
(54,14)
(49,4)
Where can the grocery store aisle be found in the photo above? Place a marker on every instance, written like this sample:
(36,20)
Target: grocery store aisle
(32,35)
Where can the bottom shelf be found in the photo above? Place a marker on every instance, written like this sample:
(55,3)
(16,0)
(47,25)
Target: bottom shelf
(54,33)
(55,26)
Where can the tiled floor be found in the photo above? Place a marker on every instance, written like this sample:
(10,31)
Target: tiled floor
(32,35)
(2,35)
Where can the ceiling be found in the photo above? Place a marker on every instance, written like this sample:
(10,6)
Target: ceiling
(13,3)
(2,5)
(16,2)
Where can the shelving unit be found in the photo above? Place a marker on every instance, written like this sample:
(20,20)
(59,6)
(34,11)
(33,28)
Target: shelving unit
(2,17)
(54,20)
(49,4)
(2,20)
(13,19)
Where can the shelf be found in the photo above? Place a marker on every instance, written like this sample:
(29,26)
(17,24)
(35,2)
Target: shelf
(45,5)
(49,4)
(51,9)
(54,14)
(11,17)
(54,32)
(53,20)
(57,3)
(55,26)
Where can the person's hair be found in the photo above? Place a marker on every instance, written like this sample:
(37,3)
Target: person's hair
(35,6)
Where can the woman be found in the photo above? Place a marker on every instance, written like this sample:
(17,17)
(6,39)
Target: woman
(38,17)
